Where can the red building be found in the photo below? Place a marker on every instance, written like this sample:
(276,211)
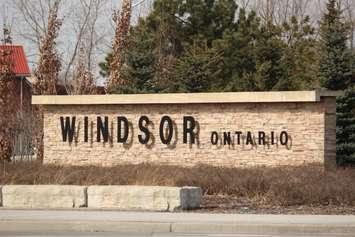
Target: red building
(23,88)
(22,138)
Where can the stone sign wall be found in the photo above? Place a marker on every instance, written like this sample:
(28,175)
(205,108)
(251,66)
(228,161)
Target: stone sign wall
(287,128)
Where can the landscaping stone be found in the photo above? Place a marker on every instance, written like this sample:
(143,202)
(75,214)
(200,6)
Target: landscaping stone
(43,196)
(152,198)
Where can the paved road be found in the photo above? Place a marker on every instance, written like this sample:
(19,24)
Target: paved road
(131,224)
(118,234)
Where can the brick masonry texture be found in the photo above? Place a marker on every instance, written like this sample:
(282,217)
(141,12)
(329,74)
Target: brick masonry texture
(310,125)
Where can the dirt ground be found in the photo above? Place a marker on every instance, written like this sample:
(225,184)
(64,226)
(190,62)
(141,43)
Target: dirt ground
(238,205)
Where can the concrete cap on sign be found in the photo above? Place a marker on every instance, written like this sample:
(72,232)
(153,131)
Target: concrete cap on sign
(188,98)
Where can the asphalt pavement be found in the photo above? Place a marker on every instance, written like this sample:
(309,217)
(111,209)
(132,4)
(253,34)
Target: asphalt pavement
(119,234)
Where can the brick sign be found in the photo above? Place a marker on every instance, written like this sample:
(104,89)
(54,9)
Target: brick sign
(223,129)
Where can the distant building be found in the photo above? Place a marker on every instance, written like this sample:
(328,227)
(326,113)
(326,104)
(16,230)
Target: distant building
(22,132)
(23,148)
(23,87)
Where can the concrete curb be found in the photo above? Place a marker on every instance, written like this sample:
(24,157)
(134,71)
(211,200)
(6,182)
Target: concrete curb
(43,196)
(119,197)
(152,198)
(180,223)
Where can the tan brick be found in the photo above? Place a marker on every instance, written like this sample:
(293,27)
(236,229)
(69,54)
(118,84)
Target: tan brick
(311,126)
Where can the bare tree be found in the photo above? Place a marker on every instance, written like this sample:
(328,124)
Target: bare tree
(349,6)
(122,21)
(7,25)
(278,11)
(35,15)
(81,28)
(244,4)
(266,9)
(7,35)
(93,38)
(85,27)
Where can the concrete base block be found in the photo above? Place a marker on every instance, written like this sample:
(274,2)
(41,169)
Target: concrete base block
(44,196)
(152,198)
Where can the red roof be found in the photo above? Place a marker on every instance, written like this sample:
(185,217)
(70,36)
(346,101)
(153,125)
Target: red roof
(21,66)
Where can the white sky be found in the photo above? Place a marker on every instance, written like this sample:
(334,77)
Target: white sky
(66,41)
(10,14)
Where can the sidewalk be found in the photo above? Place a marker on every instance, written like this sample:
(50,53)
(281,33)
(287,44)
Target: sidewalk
(148,222)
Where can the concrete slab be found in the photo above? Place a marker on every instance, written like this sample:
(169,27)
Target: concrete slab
(152,198)
(43,196)
(187,98)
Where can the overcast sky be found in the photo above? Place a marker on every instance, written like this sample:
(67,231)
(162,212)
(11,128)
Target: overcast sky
(10,14)
(70,13)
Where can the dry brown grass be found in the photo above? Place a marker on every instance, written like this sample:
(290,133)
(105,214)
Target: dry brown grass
(285,186)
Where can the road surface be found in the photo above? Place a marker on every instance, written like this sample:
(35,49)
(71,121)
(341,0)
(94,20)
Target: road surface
(118,234)
(131,224)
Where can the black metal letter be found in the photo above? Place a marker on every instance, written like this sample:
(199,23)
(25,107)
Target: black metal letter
(189,130)
(249,139)
(261,138)
(284,138)
(166,140)
(68,128)
(238,133)
(123,120)
(227,138)
(214,138)
(102,128)
(86,129)
(144,129)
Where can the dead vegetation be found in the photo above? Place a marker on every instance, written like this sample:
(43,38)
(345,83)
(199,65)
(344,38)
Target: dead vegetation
(283,186)
(122,22)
